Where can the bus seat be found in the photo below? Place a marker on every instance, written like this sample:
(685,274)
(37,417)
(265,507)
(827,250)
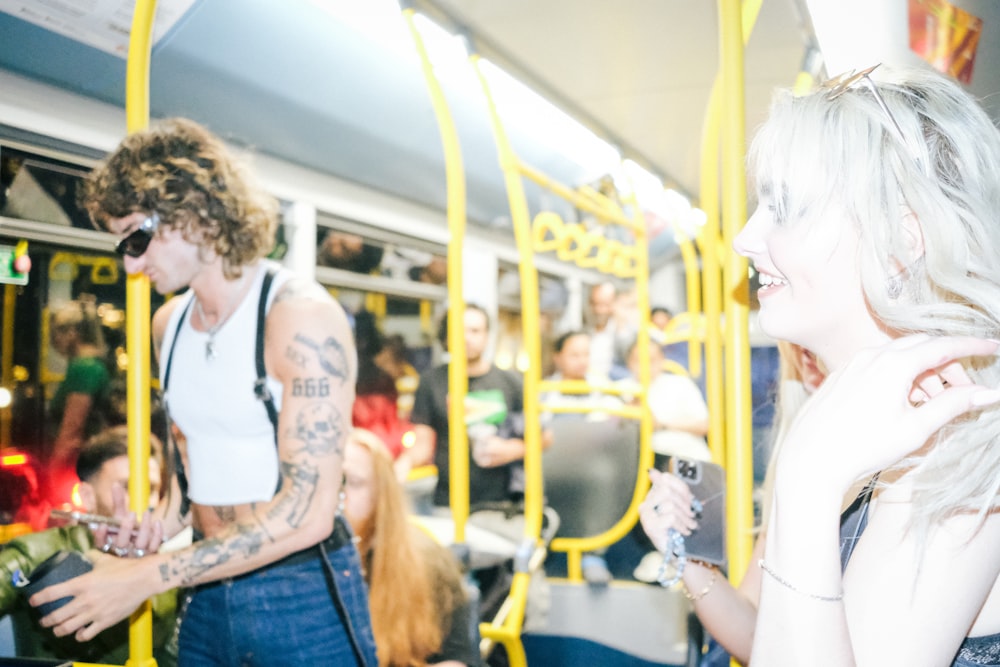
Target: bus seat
(590,473)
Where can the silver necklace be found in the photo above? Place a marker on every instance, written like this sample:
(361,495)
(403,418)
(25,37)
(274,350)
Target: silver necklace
(210,353)
(234,299)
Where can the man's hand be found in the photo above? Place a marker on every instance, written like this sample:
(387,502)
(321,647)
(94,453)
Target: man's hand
(101,598)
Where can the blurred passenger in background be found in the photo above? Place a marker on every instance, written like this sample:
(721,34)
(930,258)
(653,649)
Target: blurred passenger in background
(610,332)
(80,405)
(680,414)
(102,466)
(571,356)
(341,250)
(376,403)
(393,360)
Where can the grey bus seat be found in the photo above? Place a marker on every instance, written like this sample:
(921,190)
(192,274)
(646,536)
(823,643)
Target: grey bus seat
(590,472)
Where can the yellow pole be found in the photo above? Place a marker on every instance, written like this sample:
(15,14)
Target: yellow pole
(137,326)
(530,327)
(694,307)
(7,359)
(739,468)
(458,377)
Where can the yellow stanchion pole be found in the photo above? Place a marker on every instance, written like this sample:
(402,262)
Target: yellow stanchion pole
(7,359)
(739,468)
(458,376)
(137,327)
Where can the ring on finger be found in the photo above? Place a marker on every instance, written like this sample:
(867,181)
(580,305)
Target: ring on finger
(121,552)
(138,553)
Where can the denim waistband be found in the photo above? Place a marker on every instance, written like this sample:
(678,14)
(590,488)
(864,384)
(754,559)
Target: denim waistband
(339,537)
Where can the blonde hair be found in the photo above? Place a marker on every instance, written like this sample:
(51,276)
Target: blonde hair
(819,157)
(414,583)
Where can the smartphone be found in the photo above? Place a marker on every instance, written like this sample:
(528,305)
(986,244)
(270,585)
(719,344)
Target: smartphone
(91,520)
(708,486)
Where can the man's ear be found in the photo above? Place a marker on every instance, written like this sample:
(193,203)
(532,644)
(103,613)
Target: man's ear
(87,496)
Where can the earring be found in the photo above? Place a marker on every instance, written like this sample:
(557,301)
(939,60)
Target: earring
(894,286)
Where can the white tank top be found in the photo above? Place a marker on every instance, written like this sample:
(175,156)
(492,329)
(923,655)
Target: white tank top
(232,458)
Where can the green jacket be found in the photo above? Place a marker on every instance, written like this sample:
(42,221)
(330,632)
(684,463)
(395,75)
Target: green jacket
(110,647)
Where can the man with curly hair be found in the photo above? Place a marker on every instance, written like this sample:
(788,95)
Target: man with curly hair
(273,574)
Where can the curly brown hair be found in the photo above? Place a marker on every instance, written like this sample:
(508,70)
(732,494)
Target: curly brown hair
(184,173)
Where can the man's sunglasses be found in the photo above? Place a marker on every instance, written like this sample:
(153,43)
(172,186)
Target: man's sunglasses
(135,244)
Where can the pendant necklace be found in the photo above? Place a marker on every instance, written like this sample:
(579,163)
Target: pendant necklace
(212,330)
(234,300)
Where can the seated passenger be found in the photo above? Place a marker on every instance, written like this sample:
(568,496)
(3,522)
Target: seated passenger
(392,358)
(572,360)
(376,403)
(420,611)
(101,465)
(680,415)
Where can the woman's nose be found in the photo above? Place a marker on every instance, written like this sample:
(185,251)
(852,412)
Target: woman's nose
(749,241)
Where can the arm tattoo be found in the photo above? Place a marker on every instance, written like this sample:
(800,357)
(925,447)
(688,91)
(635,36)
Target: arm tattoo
(297,357)
(295,503)
(318,426)
(210,554)
(332,356)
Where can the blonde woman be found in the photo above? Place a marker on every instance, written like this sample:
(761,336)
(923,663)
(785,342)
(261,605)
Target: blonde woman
(876,240)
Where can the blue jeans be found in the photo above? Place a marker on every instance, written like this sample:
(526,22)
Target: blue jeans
(279,615)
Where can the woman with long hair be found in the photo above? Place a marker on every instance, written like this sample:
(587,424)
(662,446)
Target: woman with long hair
(420,611)
(875,238)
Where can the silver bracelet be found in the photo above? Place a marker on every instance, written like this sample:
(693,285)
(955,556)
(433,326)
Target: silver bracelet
(815,596)
(675,550)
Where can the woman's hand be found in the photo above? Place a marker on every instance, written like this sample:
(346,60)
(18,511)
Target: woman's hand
(667,505)
(884,404)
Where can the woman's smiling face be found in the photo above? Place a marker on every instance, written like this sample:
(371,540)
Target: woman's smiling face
(810,279)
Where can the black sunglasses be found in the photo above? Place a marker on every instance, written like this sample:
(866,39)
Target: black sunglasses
(135,244)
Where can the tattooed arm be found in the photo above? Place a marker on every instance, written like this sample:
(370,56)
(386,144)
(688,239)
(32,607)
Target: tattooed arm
(309,349)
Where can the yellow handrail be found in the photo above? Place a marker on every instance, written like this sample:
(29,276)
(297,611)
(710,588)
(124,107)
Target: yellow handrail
(7,360)
(507,628)
(739,464)
(137,330)
(458,378)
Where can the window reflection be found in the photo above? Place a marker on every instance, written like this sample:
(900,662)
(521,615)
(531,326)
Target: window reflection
(41,189)
(352,252)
